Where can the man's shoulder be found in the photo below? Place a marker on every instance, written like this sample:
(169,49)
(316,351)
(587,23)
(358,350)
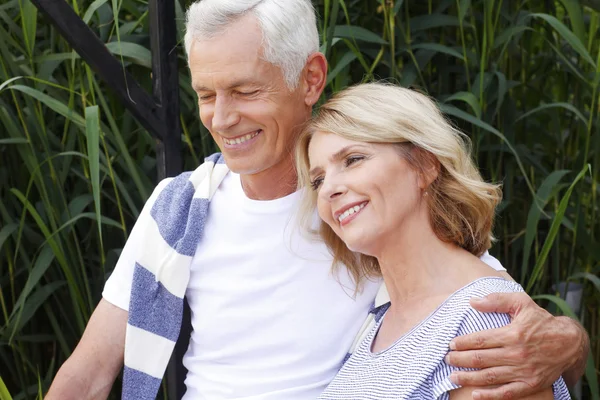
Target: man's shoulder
(181,182)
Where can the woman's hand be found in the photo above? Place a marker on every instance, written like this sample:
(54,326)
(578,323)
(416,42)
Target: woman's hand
(522,358)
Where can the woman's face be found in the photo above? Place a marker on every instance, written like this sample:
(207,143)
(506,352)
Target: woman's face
(366,192)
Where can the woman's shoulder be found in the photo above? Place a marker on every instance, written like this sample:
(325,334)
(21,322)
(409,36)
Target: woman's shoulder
(486,285)
(472,320)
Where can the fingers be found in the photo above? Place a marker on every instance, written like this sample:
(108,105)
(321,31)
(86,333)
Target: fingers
(509,303)
(487,339)
(515,390)
(484,377)
(483,358)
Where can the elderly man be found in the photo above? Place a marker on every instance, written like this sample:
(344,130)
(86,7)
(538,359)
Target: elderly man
(269,321)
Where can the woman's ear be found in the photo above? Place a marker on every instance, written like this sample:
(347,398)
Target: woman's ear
(429,167)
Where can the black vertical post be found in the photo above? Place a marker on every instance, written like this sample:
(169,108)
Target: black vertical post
(163,42)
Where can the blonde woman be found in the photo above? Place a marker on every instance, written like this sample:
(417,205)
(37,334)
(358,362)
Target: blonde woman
(400,197)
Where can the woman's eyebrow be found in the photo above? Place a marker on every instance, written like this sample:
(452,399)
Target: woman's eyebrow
(345,150)
(338,155)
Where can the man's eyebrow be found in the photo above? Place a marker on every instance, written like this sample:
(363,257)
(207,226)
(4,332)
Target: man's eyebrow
(232,85)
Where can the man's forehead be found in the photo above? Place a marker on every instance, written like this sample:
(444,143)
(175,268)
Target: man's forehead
(224,81)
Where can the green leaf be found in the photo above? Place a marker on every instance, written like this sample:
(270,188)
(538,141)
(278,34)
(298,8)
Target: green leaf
(357,33)
(340,65)
(592,377)
(132,51)
(567,35)
(8,82)
(576,16)
(430,21)
(464,6)
(560,303)
(329,31)
(566,106)
(89,13)
(438,48)
(468,98)
(507,34)
(535,211)
(42,263)
(6,231)
(397,6)
(14,141)
(4,393)
(562,207)
(29,21)
(31,306)
(51,103)
(502,89)
(92,133)
(590,277)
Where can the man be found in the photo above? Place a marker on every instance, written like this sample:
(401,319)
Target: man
(269,321)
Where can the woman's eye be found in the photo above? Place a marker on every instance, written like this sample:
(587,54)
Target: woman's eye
(352,159)
(315,183)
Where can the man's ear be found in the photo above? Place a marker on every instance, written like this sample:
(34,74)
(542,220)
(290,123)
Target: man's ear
(314,76)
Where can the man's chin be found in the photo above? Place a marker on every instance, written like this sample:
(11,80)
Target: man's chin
(243,167)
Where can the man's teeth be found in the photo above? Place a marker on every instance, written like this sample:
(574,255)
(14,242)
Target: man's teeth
(351,211)
(241,139)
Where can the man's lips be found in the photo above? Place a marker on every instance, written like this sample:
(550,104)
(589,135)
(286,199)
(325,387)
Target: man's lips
(241,138)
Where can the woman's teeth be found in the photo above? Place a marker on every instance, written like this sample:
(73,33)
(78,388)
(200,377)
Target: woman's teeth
(351,211)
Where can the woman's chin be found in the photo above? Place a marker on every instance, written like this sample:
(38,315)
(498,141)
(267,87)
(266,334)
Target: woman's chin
(359,245)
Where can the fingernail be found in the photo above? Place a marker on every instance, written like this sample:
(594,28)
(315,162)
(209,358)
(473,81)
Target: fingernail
(452,345)
(476,395)
(454,378)
(477,299)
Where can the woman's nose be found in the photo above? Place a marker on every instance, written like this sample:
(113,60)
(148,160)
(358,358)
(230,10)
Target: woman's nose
(333,188)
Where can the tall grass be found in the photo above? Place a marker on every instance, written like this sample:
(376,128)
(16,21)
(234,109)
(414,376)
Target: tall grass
(520,77)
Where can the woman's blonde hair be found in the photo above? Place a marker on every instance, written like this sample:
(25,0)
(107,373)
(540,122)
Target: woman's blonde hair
(461,204)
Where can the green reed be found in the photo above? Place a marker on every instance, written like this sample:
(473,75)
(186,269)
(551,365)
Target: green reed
(520,77)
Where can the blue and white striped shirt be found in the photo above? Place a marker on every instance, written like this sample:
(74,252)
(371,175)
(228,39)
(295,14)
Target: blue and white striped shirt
(414,367)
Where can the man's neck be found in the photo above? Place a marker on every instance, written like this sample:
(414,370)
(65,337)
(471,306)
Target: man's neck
(274,183)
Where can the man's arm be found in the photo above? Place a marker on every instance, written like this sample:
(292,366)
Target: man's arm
(524,357)
(97,360)
(466,393)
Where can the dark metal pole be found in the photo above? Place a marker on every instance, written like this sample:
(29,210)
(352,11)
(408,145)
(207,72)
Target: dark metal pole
(163,42)
(163,45)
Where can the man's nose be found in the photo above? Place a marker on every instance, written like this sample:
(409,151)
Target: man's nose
(225,115)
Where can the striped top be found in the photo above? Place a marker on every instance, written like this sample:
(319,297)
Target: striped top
(413,367)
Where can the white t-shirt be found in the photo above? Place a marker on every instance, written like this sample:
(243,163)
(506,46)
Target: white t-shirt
(269,319)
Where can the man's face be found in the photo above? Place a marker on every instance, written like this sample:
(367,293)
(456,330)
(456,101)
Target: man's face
(244,101)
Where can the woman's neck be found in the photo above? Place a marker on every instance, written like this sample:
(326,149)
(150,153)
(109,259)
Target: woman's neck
(416,264)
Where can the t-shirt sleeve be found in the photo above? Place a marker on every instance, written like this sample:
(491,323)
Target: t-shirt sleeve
(492,261)
(473,321)
(117,289)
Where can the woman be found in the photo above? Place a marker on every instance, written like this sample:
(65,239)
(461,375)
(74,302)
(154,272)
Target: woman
(400,197)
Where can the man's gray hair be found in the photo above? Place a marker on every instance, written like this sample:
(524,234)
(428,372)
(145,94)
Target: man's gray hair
(289,29)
